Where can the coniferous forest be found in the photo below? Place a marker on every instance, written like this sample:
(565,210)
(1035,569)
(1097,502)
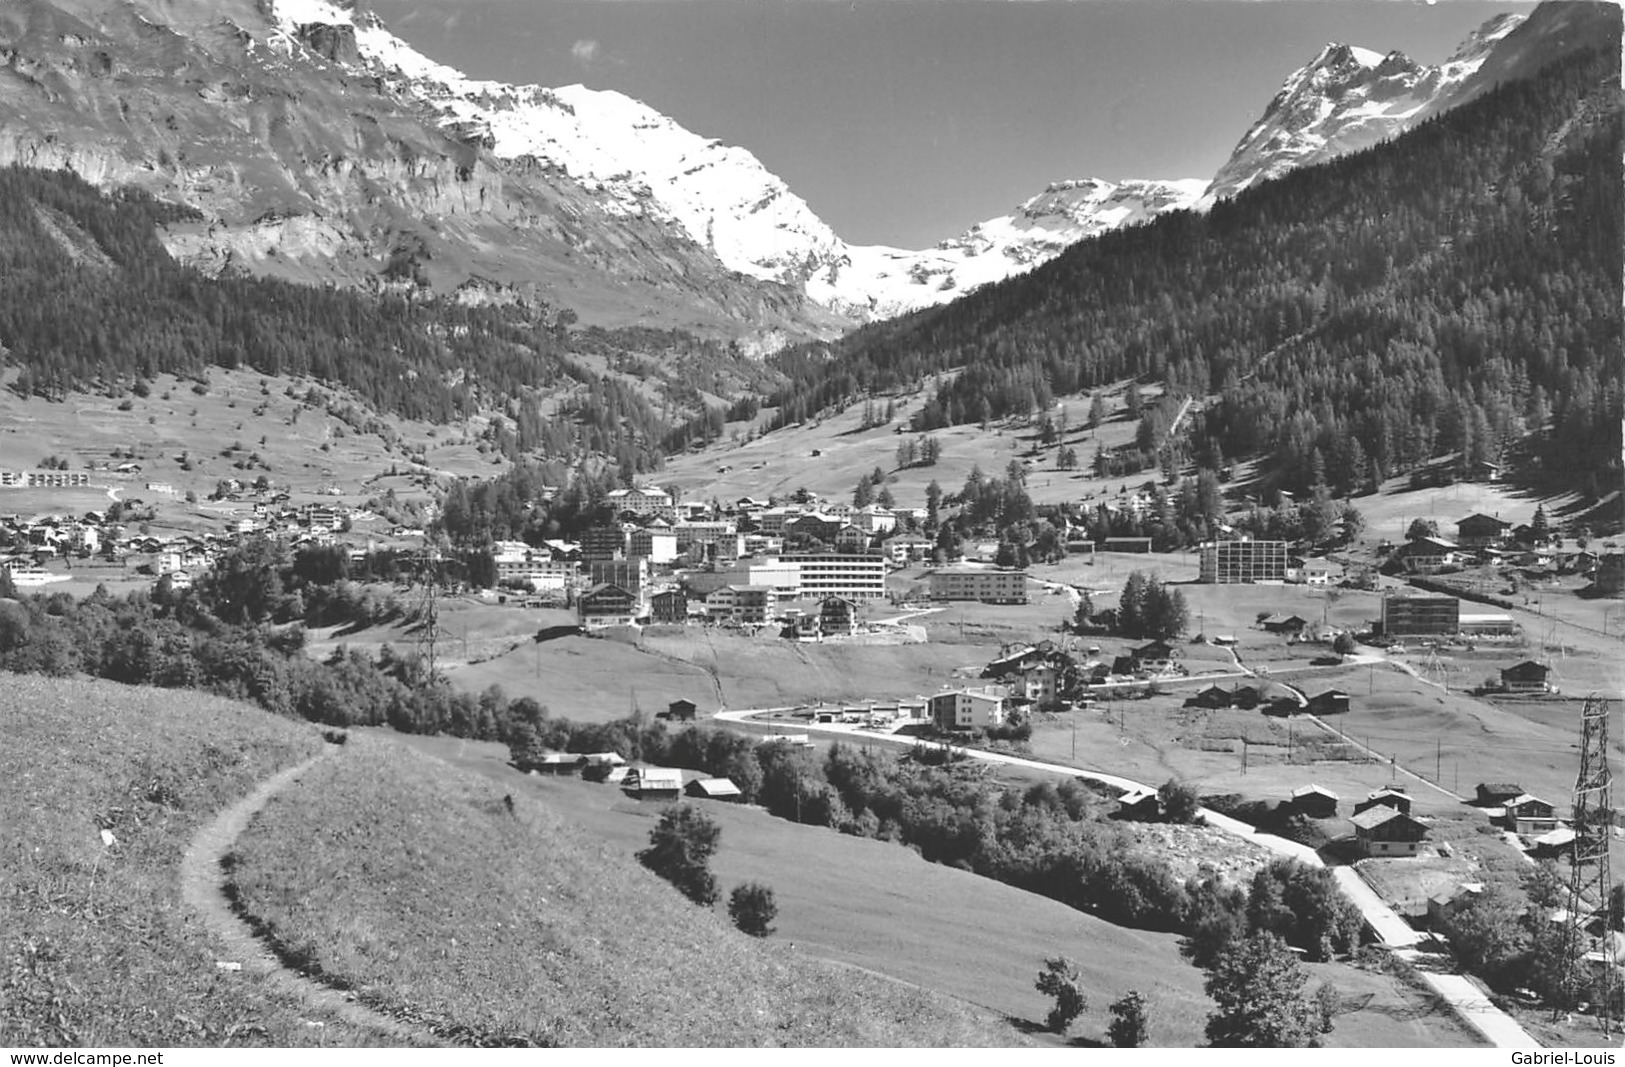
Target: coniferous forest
(90,300)
(1453,292)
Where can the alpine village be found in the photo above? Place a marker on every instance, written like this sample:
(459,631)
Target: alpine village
(482,565)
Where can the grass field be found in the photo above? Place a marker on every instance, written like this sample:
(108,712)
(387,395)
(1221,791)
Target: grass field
(783,461)
(99,948)
(409,880)
(879,907)
(302,447)
(595,679)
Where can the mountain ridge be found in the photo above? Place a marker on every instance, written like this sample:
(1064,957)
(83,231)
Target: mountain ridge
(323,148)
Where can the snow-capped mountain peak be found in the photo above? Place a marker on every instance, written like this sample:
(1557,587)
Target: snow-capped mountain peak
(721,195)
(1348,98)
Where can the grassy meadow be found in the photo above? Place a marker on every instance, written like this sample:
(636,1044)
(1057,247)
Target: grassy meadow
(783,461)
(305,448)
(98,947)
(411,882)
(880,908)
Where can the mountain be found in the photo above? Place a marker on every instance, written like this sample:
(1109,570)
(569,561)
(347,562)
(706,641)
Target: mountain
(1452,293)
(319,147)
(721,195)
(1349,98)
(873,282)
(312,161)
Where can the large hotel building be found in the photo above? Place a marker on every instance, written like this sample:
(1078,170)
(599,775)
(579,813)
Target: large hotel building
(1243,561)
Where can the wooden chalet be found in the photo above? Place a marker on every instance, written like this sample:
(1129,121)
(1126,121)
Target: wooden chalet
(1291,625)
(1386,797)
(1384,831)
(1214,697)
(1143,805)
(669,607)
(1553,844)
(1529,816)
(653,783)
(1480,531)
(1331,702)
(1154,657)
(1494,794)
(555,763)
(1314,802)
(682,710)
(714,789)
(1246,696)
(837,615)
(1444,906)
(1525,677)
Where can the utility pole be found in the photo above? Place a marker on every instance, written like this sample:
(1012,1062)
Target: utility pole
(1438,756)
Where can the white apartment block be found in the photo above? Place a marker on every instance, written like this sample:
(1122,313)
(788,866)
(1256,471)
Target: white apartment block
(856,577)
(987,586)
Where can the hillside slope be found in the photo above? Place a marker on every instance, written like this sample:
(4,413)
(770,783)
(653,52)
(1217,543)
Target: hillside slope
(412,882)
(1452,291)
(96,947)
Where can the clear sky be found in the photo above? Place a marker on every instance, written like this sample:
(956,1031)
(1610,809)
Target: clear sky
(905,121)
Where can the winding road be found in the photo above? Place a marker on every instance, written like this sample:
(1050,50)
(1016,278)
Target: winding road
(1465,998)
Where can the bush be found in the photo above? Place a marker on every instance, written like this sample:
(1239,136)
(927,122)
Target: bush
(680,850)
(1128,1028)
(1180,802)
(752,908)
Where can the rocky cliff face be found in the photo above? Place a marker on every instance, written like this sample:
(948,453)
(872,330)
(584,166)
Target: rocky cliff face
(322,148)
(312,167)
(1349,98)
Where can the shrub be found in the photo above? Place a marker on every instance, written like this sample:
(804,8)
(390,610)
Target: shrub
(1129,1026)
(752,908)
(1180,802)
(680,850)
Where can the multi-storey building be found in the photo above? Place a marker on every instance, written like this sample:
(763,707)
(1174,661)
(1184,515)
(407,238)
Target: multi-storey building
(1243,561)
(608,604)
(857,577)
(1404,616)
(656,544)
(670,606)
(966,709)
(746,604)
(645,501)
(630,574)
(988,586)
(604,542)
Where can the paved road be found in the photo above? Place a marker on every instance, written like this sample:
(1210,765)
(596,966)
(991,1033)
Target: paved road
(1468,1001)
(1389,926)
(1498,1028)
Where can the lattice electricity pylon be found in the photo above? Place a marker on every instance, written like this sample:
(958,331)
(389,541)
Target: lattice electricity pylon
(1590,881)
(428,616)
